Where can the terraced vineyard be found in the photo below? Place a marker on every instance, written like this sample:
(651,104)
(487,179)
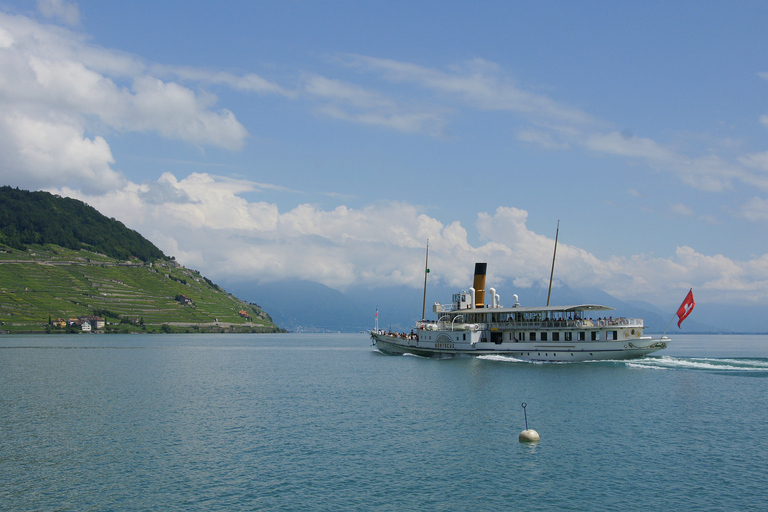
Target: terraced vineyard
(44,283)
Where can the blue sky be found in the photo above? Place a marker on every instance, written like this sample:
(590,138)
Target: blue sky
(328,140)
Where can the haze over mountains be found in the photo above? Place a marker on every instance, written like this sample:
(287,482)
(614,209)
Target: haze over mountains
(312,307)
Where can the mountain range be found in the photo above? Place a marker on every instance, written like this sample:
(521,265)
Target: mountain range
(306,306)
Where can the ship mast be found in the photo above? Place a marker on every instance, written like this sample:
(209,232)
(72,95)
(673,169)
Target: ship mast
(552,273)
(426,271)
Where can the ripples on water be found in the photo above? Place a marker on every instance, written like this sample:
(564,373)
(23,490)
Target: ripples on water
(324,422)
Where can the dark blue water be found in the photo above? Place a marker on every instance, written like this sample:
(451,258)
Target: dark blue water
(323,422)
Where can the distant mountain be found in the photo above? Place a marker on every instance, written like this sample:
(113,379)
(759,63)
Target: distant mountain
(311,307)
(303,306)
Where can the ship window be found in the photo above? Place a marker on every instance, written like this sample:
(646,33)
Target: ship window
(464,337)
(582,336)
(594,335)
(543,336)
(568,335)
(555,336)
(531,336)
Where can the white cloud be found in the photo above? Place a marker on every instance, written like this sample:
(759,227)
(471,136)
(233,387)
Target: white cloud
(709,173)
(352,103)
(207,225)
(477,83)
(6,39)
(59,96)
(67,12)
(178,113)
(553,125)
(616,143)
(756,209)
(544,139)
(759,162)
(710,219)
(351,94)
(249,83)
(680,210)
(38,152)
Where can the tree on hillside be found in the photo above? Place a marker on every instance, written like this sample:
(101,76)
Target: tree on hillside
(42,218)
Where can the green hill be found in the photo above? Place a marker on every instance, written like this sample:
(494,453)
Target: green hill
(38,218)
(61,259)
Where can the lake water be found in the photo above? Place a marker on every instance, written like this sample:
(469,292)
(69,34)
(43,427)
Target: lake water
(324,422)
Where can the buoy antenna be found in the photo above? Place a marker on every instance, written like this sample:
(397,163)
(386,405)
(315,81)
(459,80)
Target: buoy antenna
(525,414)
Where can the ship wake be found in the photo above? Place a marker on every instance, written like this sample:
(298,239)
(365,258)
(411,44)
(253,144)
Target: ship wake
(755,366)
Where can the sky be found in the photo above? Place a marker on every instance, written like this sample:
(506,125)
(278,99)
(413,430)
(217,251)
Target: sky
(329,141)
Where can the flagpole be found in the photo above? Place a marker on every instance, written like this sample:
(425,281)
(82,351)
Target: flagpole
(669,325)
(426,271)
(677,313)
(554,254)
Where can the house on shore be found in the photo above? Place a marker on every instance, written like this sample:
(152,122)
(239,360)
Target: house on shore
(86,323)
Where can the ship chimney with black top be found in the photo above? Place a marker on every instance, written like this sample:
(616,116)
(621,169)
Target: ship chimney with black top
(479,284)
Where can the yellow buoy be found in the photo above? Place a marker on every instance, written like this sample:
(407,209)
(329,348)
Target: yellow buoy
(528,435)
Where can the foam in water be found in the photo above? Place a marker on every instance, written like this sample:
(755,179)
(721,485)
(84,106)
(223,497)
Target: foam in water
(660,363)
(700,363)
(498,357)
(510,359)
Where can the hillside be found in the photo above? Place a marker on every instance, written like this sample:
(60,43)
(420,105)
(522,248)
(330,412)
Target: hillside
(39,218)
(44,283)
(62,259)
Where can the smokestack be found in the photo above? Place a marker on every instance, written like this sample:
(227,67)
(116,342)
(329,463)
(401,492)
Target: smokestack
(479,285)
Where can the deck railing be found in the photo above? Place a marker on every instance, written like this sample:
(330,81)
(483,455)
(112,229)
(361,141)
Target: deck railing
(576,324)
(537,325)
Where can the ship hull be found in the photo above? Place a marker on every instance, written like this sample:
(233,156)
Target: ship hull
(533,351)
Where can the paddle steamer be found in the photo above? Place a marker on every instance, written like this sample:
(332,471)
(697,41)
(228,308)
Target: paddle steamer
(551,333)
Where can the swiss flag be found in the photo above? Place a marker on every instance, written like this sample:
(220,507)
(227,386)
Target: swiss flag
(685,308)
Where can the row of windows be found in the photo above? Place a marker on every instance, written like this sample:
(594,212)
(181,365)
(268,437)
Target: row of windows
(566,336)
